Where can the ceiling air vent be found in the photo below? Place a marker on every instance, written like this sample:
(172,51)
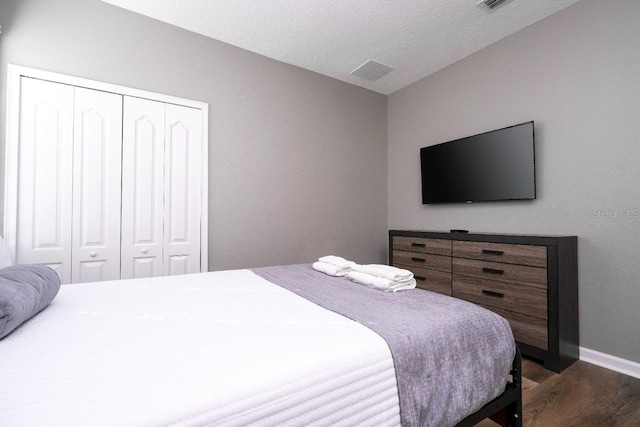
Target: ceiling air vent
(372,70)
(490,4)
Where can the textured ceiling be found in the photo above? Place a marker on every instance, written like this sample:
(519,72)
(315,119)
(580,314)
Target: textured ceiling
(334,37)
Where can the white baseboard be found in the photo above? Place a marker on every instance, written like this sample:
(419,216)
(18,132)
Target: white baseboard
(608,361)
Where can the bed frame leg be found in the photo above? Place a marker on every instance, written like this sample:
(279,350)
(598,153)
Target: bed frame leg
(511,415)
(513,411)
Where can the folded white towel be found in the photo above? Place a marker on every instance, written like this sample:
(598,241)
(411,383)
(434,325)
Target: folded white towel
(380,282)
(330,269)
(337,261)
(386,271)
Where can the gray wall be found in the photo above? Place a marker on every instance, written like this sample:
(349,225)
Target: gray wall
(297,161)
(576,74)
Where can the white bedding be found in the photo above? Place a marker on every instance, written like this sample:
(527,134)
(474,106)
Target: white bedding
(226,348)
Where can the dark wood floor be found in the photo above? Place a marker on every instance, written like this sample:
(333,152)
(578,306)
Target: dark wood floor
(582,395)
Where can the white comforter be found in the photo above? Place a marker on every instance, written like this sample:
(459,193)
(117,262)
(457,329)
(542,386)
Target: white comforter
(225,348)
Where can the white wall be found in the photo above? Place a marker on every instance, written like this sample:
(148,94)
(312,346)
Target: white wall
(577,75)
(297,161)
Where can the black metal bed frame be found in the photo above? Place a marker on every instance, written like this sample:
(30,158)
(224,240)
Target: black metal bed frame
(505,409)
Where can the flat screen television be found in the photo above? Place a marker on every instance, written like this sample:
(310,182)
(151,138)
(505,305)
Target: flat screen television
(492,166)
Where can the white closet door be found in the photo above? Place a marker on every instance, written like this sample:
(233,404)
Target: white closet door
(142,188)
(45,160)
(96,186)
(183,139)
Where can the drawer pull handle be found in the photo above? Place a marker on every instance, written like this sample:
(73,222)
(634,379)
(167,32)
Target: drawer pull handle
(491,252)
(493,294)
(492,270)
(418,259)
(418,245)
(420,278)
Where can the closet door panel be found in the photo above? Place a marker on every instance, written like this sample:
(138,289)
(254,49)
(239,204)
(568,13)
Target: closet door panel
(179,264)
(183,139)
(45,159)
(93,271)
(143,188)
(96,186)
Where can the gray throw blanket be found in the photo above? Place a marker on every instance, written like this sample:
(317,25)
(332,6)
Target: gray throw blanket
(451,357)
(24,291)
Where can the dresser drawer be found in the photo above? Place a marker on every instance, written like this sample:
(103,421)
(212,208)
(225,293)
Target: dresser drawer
(431,280)
(421,244)
(517,298)
(535,256)
(519,274)
(421,260)
(526,329)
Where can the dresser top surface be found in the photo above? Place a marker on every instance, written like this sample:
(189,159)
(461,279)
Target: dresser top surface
(531,239)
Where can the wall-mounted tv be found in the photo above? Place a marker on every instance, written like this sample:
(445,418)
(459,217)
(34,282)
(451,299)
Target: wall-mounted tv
(492,166)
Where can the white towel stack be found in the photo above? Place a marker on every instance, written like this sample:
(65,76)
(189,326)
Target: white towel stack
(382,283)
(333,265)
(378,276)
(394,274)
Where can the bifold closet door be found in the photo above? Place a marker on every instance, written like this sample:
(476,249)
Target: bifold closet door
(45,164)
(97,148)
(161,189)
(182,190)
(103,185)
(142,188)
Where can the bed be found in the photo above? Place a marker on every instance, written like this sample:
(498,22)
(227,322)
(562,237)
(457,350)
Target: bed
(270,346)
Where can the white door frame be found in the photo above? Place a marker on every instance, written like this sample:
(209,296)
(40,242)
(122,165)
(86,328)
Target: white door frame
(15,73)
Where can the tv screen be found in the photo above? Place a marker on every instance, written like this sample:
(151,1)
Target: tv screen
(492,166)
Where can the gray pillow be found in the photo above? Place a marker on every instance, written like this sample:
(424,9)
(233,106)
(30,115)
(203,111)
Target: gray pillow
(24,291)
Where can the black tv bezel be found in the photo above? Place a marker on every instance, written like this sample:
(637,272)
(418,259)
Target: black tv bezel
(466,202)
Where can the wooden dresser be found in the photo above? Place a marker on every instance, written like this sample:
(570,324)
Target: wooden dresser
(532,281)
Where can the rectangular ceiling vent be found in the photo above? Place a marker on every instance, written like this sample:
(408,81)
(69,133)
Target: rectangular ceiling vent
(490,4)
(372,70)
